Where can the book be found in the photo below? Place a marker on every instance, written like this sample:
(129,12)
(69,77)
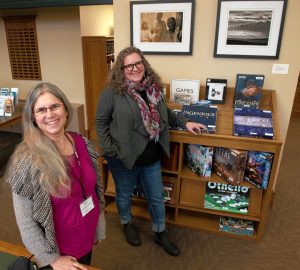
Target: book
(215,90)
(258,167)
(225,197)
(230,164)
(206,115)
(236,226)
(185,87)
(252,122)
(167,191)
(9,107)
(15,92)
(248,90)
(199,159)
(2,105)
(4,91)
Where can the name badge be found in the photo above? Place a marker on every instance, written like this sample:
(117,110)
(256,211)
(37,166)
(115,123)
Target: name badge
(87,206)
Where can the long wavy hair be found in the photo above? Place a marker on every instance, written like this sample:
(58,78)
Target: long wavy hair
(116,78)
(43,154)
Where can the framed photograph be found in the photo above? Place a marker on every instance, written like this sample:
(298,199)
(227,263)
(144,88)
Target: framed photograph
(215,90)
(162,27)
(249,29)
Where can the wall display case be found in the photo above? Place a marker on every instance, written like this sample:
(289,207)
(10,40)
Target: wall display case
(187,205)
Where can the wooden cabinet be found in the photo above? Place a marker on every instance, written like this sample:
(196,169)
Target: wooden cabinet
(97,59)
(187,207)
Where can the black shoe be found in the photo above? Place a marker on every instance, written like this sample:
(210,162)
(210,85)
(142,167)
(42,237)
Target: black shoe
(132,235)
(163,240)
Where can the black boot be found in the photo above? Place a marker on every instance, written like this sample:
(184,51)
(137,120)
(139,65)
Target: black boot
(132,235)
(163,240)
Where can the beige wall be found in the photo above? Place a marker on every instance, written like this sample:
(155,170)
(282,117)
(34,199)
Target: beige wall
(58,32)
(97,20)
(202,64)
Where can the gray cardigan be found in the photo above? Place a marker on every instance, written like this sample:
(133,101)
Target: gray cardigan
(33,209)
(121,130)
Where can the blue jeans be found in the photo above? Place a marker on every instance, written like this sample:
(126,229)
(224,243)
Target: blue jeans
(151,181)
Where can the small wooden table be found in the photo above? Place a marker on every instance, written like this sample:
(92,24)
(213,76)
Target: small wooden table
(16,250)
(15,118)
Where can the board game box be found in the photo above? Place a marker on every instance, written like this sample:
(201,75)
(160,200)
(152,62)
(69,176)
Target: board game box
(206,115)
(258,167)
(251,122)
(225,197)
(199,159)
(248,90)
(236,226)
(230,164)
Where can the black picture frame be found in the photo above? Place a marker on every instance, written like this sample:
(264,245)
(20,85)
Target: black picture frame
(164,27)
(215,90)
(258,39)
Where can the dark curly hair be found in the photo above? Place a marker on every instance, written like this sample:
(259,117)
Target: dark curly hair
(116,78)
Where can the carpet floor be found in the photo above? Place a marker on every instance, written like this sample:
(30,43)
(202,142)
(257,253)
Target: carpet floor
(278,250)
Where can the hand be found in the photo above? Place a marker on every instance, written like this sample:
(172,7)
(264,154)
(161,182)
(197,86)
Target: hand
(67,263)
(195,128)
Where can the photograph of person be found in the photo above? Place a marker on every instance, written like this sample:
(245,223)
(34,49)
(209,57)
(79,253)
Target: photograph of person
(132,125)
(56,187)
(161,27)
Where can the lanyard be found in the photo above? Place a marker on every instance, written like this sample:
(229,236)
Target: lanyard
(80,169)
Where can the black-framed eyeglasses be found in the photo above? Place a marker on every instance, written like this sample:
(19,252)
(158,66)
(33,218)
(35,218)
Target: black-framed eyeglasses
(43,110)
(138,65)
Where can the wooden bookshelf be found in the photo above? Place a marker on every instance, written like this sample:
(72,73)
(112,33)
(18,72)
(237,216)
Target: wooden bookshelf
(187,208)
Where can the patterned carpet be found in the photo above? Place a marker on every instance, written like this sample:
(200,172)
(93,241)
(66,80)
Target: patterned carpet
(278,250)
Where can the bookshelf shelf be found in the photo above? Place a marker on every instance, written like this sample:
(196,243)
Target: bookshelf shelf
(187,208)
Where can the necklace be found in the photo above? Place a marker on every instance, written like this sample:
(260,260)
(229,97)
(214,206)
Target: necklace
(79,164)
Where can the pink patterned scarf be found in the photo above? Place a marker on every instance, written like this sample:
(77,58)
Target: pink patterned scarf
(149,112)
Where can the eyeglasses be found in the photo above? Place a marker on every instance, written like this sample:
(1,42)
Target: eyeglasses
(130,67)
(43,110)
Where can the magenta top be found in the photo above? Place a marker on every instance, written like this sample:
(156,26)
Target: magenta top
(75,234)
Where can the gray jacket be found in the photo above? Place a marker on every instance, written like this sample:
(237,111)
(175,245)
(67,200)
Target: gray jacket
(121,130)
(33,209)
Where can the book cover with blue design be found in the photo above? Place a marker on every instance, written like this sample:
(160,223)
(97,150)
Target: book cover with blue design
(252,122)
(258,167)
(248,90)
(199,159)
(206,115)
